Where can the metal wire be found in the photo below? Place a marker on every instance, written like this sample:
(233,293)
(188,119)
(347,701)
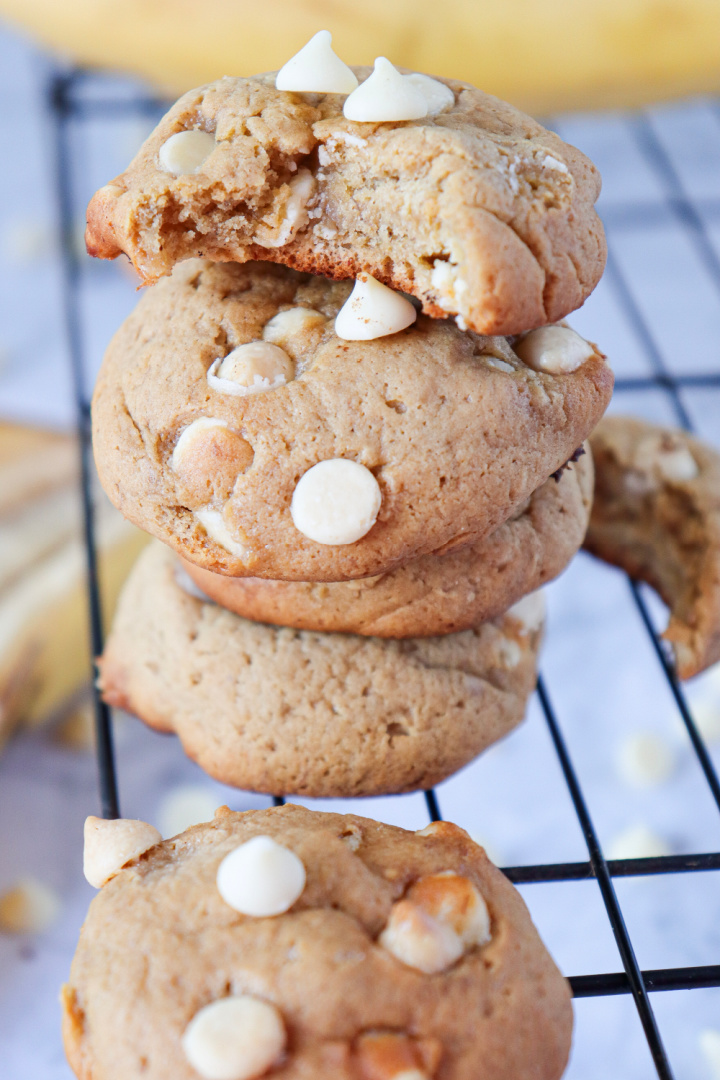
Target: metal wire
(69,107)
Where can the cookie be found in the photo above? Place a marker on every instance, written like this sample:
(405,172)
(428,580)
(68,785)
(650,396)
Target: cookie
(292,711)
(436,594)
(394,954)
(478,211)
(656,514)
(449,433)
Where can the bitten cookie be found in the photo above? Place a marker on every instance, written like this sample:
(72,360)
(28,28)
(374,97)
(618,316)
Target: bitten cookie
(477,210)
(300,945)
(656,514)
(291,711)
(232,422)
(437,594)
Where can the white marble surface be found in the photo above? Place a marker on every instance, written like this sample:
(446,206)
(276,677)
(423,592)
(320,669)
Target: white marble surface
(600,669)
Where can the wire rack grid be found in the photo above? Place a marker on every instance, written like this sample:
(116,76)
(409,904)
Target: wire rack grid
(71,106)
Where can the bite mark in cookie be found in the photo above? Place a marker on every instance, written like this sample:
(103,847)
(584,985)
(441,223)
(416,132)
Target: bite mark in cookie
(473,208)
(656,514)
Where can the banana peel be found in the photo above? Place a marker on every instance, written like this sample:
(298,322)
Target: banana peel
(542,55)
(44,623)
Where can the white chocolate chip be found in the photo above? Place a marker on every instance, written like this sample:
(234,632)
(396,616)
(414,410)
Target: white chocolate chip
(186,152)
(636,842)
(666,456)
(530,611)
(193,433)
(438,96)
(556,350)
(234,1038)
(184,806)
(550,162)
(29,907)
(454,901)
(706,715)
(420,941)
(111,844)
(214,525)
(385,96)
(645,760)
(445,279)
(186,583)
(336,502)
(508,652)
(302,186)
(252,368)
(261,878)
(501,365)
(372,310)
(316,69)
(287,324)
(710,1046)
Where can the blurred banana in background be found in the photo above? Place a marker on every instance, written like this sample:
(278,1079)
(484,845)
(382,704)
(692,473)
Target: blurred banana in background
(44,637)
(542,55)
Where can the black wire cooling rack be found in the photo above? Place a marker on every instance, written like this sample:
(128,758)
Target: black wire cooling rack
(71,105)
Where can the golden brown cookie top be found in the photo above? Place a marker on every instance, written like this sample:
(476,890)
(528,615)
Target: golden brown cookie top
(161,943)
(449,432)
(478,210)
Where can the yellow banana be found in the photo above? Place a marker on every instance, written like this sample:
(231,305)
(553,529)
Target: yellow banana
(543,55)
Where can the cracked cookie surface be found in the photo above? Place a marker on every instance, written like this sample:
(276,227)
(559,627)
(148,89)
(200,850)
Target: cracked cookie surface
(293,711)
(456,430)
(477,211)
(656,514)
(501,1012)
(436,594)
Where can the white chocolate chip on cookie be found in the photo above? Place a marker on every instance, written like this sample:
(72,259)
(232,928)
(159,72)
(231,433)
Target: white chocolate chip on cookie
(292,322)
(336,502)
(529,611)
(556,350)
(373,311)
(214,525)
(185,152)
(420,941)
(207,460)
(252,368)
(194,435)
(316,69)
(438,96)
(261,878)
(665,455)
(234,1038)
(111,844)
(394,1055)
(385,96)
(454,902)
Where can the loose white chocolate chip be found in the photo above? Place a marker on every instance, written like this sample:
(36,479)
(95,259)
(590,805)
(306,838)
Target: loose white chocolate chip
(645,760)
(336,502)
(530,611)
(214,525)
(191,436)
(186,152)
(706,714)
(420,941)
(287,324)
(111,844)
(438,96)
(710,1046)
(184,806)
(637,842)
(455,903)
(29,907)
(252,368)
(385,96)
(556,350)
(261,878)
(372,310)
(234,1038)
(316,69)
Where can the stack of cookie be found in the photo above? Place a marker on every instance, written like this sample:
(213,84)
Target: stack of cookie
(360,486)
(362,480)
